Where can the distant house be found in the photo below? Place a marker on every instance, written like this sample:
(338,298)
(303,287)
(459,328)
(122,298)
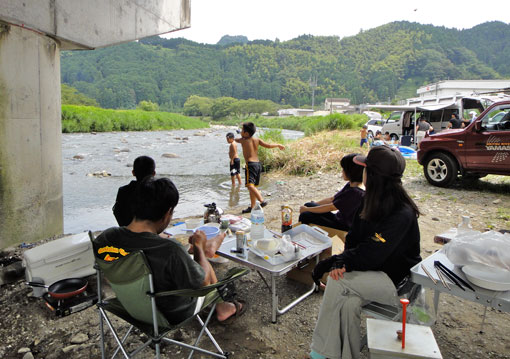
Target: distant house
(462,87)
(337,104)
(300,112)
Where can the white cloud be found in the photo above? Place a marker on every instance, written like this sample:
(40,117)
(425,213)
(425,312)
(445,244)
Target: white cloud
(287,19)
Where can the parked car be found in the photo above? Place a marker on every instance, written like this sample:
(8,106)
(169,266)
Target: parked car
(374,126)
(481,148)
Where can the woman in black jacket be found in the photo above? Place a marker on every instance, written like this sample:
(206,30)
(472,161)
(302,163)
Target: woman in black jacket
(380,249)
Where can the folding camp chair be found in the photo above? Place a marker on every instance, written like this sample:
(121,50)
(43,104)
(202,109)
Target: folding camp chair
(135,302)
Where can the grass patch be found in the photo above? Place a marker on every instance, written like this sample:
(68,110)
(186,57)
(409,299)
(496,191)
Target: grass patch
(320,152)
(503,213)
(94,119)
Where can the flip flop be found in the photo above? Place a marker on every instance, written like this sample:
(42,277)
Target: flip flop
(241,307)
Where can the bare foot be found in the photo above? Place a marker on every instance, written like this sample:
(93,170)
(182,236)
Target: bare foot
(212,245)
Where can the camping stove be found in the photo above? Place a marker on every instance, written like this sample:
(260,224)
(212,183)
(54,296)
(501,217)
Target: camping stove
(64,307)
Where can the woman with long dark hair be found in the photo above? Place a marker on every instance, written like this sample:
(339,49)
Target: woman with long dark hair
(380,249)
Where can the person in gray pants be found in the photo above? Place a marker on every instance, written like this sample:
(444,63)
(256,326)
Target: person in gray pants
(381,248)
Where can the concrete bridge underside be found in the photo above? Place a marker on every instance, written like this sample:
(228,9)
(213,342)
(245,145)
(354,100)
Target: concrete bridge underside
(32,34)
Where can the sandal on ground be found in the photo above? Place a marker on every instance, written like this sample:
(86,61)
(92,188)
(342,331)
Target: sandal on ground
(247,210)
(241,307)
(263,204)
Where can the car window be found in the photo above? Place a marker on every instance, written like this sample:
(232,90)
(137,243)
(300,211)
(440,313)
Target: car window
(498,119)
(371,122)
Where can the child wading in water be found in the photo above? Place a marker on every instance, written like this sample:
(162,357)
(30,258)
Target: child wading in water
(235,162)
(253,167)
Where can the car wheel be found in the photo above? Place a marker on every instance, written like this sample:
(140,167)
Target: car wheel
(370,134)
(440,169)
(394,136)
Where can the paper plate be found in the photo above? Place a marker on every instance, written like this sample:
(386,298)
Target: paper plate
(487,277)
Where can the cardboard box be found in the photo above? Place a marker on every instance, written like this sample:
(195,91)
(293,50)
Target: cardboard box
(303,273)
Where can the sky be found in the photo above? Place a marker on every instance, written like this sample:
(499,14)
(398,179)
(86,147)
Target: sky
(288,19)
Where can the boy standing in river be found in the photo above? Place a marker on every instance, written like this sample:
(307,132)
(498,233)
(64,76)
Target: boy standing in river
(253,167)
(235,162)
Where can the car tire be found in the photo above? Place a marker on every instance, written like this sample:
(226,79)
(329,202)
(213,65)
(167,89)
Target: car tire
(440,169)
(394,136)
(370,134)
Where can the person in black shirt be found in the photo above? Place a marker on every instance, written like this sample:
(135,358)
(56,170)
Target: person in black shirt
(172,267)
(380,249)
(455,122)
(123,208)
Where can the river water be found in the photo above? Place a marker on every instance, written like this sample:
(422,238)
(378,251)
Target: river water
(200,171)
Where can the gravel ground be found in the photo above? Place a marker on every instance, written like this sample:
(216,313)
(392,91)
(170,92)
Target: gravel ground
(30,330)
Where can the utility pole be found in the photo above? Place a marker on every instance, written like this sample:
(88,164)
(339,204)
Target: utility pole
(313,84)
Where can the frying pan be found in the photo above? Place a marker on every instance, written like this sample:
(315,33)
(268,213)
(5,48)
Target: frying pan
(64,288)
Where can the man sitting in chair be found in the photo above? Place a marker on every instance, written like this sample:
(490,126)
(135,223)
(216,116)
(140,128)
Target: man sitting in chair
(172,267)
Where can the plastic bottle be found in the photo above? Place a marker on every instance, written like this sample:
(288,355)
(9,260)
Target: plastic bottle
(257,222)
(286,218)
(464,226)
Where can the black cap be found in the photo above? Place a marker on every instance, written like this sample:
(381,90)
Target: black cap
(383,160)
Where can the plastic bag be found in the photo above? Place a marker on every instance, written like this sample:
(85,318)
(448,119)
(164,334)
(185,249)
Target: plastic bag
(288,249)
(421,309)
(490,248)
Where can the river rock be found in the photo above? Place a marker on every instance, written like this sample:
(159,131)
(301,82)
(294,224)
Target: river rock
(79,338)
(78,157)
(497,201)
(23,350)
(69,348)
(200,133)
(124,150)
(169,155)
(99,174)
(28,355)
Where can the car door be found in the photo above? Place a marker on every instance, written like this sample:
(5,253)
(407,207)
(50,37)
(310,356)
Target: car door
(489,148)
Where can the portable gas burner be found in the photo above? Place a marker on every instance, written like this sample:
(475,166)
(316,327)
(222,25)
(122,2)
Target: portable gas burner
(64,307)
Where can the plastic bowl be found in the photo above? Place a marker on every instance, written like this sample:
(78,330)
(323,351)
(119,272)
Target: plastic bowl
(209,231)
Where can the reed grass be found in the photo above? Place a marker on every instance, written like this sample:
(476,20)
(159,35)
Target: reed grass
(94,119)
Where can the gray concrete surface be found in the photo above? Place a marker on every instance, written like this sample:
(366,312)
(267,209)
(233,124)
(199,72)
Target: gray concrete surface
(32,34)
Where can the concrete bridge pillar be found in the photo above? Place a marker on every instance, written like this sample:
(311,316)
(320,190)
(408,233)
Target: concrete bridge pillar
(32,33)
(30,136)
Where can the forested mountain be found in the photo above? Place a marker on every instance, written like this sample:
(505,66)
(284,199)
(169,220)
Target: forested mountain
(387,62)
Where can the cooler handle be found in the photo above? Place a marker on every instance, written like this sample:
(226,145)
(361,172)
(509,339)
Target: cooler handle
(68,255)
(321,231)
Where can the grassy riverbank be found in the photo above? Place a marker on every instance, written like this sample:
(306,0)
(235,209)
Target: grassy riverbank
(311,154)
(94,119)
(308,125)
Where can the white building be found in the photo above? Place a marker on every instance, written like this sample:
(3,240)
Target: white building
(300,112)
(336,104)
(463,87)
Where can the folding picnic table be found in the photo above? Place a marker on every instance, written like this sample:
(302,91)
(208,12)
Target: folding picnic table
(488,298)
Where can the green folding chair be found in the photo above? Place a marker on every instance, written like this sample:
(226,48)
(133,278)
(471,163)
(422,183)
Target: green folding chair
(131,279)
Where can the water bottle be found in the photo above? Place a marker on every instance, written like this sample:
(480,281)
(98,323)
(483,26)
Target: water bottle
(257,222)
(464,226)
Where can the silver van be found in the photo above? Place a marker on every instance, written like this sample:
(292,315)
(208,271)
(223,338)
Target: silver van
(438,112)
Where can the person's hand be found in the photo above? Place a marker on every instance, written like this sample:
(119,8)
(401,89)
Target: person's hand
(198,239)
(281,147)
(337,273)
(303,209)
(322,267)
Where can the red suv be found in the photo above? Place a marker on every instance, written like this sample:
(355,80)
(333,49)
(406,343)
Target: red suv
(481,148)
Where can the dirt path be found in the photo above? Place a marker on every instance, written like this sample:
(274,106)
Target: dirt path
(28,325)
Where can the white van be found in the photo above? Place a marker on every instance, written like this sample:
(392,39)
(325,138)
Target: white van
(438,112)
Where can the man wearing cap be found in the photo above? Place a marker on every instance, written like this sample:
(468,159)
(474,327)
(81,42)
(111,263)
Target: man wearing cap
(380,249)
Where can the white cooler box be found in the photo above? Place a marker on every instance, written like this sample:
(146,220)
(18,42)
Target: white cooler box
(67,257)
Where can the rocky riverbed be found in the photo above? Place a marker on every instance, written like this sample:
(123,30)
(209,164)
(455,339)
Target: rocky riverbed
(30,330)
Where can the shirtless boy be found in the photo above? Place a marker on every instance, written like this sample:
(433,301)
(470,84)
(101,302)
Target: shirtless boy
(253,167)
(235,162)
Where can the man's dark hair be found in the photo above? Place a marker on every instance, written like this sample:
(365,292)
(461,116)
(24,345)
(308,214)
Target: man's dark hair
(154,197)
(230,135)
(249,128)
(353,171)
(143,166)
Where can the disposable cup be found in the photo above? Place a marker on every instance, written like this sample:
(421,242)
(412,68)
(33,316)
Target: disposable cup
(193,223)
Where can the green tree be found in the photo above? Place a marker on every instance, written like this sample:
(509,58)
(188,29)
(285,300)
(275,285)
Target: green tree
(147,106)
